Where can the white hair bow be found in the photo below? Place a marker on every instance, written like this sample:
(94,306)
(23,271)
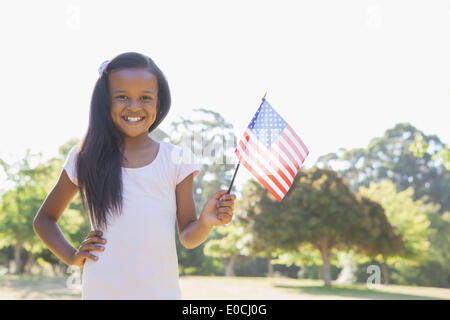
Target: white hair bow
(103,67)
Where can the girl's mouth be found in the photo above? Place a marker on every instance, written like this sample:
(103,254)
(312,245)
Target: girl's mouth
(133,120)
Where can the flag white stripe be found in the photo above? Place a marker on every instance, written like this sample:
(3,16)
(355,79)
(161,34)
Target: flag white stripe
(292,152)
(262,174)
(298,139)
(266,165)
(275,146)
(263,149)
(295,142)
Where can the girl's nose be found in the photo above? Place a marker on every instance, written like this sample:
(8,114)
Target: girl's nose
(134,104)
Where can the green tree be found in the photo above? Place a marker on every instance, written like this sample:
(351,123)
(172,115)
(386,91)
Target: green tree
(321,210)
(389,157)
(20,204)
(226,248)
(261,228)
(304,256)
(420,147)
(434,271)
(410,218)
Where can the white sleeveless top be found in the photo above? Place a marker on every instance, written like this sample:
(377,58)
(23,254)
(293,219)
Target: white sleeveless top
(140,259)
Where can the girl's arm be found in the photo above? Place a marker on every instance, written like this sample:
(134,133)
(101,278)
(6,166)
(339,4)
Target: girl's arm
(45,223)
(192,231)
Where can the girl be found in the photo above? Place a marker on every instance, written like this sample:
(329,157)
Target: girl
(135,187)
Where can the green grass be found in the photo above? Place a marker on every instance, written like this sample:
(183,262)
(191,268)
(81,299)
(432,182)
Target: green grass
(283,288)
(352,292)
(235,288)
(35,287)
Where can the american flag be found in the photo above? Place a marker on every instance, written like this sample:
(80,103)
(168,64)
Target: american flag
(271,150)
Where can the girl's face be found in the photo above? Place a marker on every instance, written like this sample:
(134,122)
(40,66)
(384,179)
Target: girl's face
(134,100)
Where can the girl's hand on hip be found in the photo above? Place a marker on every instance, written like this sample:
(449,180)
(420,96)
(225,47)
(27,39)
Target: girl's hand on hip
(218,210)
(92,242)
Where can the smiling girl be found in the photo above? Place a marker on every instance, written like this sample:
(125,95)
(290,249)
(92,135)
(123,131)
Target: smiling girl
(134,188)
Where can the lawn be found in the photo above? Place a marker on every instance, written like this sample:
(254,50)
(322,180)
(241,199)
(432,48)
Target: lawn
(235,288)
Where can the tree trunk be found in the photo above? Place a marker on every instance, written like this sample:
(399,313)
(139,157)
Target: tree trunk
(269,267)
(385,273)
(29,263)
(326,267)
(17,257)
(61,269)
(54,269)
(229,264)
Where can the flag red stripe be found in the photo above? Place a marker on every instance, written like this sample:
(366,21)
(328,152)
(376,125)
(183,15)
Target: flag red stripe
(260,179)
(252,157)
(273,165)
(285,164)
(274,152)
(293,146)
(298,139)
(286,151)
(262,152)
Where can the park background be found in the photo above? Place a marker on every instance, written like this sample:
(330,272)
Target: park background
(365,84)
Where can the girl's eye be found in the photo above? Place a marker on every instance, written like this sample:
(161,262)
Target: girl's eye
(144,98)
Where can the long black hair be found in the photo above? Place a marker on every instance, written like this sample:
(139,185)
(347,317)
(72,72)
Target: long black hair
(99,170)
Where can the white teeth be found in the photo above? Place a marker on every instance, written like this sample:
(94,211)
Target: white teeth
(134,119)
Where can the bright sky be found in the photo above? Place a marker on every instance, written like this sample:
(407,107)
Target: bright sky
(340,72)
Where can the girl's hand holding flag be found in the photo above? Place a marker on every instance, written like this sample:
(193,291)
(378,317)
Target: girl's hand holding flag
(218,210)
